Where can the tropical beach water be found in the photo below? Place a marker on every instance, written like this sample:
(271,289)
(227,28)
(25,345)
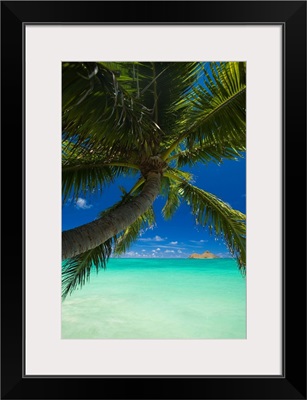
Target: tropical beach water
(159,299)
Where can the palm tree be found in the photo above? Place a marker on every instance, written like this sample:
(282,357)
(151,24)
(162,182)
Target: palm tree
(148,120)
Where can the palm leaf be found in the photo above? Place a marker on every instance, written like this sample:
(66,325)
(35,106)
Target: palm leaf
(212,212)
(157,85)
(81,179)
(171,178)
(173,201)
(210,150)
(165,82)
(215,108)
(91,171)
(98,111)
(176,174)
(132,233)
(76,271)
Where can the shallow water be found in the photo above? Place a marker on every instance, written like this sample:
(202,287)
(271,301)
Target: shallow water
(159,299)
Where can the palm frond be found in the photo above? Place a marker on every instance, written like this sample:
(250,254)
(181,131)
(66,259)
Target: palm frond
(215,108)
(84,178)
(212,212)
(76,271)
(169,189)
(98,111)
(176,174)
(210,150)
(92,170)
(173,201)
(73,154)
(132,233)
(170,185)
(165,82)
(157,85)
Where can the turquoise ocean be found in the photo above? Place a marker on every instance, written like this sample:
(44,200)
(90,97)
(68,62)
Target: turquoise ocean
(159,299)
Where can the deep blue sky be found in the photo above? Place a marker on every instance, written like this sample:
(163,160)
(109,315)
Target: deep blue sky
(178,237)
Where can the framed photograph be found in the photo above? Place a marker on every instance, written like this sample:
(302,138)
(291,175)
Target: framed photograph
(163,149)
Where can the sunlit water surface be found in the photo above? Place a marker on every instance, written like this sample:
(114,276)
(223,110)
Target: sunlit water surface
(159,299)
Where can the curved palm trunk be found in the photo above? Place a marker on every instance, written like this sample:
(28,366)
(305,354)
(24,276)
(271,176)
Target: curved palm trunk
(86,237)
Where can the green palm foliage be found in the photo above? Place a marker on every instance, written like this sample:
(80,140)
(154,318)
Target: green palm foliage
(118,117)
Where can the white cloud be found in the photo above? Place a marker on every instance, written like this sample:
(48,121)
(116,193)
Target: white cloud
(174,242)
(131,253)
(199,241)
(158,249)
(154,253)
(82,204)
(156,238)
(161,246)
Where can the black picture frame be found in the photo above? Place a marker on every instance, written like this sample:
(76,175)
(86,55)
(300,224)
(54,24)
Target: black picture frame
(292,383)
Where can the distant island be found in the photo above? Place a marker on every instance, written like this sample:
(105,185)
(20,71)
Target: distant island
(205,254)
